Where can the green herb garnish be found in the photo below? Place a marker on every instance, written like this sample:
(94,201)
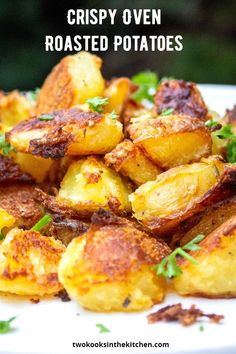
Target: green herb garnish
(46,117)
(147,82)
(5,326)
(33,95)
(102,328)
(201,328)
(113,115)
(226,133)
(168,266)
(211,123)
(97,103)
(44,221)
(167,111)
(1,236)
(5,146)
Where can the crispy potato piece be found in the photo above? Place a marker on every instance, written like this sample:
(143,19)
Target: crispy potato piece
(109,267)
(14,108)
(118,92)
(181,192)
(75,79)
(19,201)
(206,221)
(6,219)
(65,229)
(41,169)
(69,132)
(10,172)
(172,140)
(214,275)
(131,162)
(184,97)
(29,263)
(89,185)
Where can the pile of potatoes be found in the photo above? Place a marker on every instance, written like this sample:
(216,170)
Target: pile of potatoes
(125,185)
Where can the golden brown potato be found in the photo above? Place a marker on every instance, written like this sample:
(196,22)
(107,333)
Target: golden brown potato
(14,108)
(117,92)
(39,168)
(75,79)
(109,267)
(184,97)
(181,192)
(89,185)
(29,263)
(67,132)
(6,219)
(206,221)
(214,275)
(171,140)
(131,162)
(10,172)
(19,201)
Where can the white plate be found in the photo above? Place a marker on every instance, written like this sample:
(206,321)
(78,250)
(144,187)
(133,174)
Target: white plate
(52,326)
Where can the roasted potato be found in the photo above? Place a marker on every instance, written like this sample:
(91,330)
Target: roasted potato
(171,140)
(131,162)
(65,229)
(19,201)
(89,185)
(6,219)
(29,263)
(214,275)
(75,79)
(14,108)
(39,168)
(181,192)
(10,172)
(117,92)
(109,267)
(184,97)
(67,132)
(206,221)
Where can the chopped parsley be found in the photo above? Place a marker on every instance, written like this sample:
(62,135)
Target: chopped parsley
(168,266)
(211,123)
(5,146)
(46,117)
(147,82)
(226,133)
(33,95)
(97,103)
(113,115)
(167,111)
(201,328)
(5,326)
(44,221)
(1,236)
(102,328)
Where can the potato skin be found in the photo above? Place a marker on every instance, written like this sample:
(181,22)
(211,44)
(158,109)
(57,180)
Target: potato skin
(205,222)
(131,162)
(181,192)
(109,267)
(18,200)
(172,140)
(89,185)
(72,81)
(117,92)
(29,263)
(184,97)
(69,132)
(10,172)
(14,108)
(214,275)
